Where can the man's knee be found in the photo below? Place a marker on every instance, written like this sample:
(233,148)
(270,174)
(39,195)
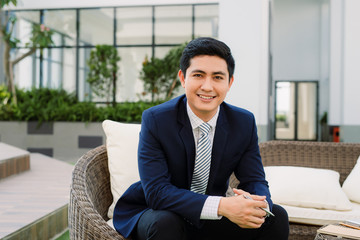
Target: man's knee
(281,214)
(280,222)
(165,225)
(168,220)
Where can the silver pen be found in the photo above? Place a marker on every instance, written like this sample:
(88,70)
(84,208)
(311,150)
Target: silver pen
(267,211)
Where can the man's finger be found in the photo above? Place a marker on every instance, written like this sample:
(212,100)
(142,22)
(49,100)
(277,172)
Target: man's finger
(239,191)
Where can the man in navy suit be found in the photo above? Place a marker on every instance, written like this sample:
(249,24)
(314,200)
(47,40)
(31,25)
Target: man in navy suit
(163,205)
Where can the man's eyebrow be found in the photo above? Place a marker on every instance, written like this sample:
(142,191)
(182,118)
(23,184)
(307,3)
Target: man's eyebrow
(213,73)
(219,73)
(197,71)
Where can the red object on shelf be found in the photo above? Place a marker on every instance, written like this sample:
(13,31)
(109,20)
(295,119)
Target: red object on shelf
(336,134)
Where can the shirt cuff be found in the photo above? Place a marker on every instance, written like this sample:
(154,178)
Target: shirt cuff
(210,208)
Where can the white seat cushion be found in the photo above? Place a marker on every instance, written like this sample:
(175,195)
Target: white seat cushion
(320,216)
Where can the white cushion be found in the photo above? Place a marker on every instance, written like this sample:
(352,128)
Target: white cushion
(321,216)
(121,143)
(111,223)
(351,186)
(306,187)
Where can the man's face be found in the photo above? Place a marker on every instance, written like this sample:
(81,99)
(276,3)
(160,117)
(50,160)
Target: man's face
(206,84)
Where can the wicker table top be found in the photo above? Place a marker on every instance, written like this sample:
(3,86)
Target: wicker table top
(322,236)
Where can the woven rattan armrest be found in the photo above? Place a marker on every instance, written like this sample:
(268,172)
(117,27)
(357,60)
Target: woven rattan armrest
(90,198)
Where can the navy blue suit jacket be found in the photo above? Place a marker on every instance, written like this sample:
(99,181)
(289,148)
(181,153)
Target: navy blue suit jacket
(166,156)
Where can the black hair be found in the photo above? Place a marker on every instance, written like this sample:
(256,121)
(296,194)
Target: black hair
(207,46)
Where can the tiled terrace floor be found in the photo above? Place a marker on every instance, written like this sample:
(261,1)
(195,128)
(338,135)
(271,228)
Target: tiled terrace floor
(28,197)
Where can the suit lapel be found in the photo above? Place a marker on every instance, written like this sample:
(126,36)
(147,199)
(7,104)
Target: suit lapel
(219,143)
(187,137)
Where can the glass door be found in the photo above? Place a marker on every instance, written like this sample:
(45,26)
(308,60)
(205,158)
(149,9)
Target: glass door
(296,108)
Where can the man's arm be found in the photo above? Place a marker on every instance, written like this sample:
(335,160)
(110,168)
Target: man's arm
(250,170)
(155,175)
(245,212)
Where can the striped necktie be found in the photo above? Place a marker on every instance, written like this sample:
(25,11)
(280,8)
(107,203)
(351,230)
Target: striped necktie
(202,161)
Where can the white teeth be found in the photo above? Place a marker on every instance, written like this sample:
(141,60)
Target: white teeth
(204,97)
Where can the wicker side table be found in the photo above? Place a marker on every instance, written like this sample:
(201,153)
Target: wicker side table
(322,236)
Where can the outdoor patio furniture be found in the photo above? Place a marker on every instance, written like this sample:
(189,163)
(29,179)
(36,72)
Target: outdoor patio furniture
(90,198)
(90,195)
(340,157)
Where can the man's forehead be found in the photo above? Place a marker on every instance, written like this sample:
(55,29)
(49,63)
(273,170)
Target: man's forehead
(208,63)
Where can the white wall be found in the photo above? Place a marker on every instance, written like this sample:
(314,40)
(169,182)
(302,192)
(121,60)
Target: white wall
(345,63)
(352,63)
(243,25)
(335,114)
(296,40)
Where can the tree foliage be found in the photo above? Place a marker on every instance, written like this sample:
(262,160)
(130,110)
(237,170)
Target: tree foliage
(41,37)
(103,70)
(153,77)
(3,3)
(160,75)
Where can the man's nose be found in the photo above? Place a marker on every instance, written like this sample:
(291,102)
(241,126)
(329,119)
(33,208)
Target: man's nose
(207,84)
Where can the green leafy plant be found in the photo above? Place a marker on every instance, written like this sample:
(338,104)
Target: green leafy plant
(160,75)
(7,109)
(4,95)
(48,105)
(281,117)
(153,77)
(172,65)
(45,104)
(103,70)
(324,118)
(6,2)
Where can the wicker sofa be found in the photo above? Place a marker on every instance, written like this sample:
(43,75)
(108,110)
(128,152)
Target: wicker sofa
(90,195)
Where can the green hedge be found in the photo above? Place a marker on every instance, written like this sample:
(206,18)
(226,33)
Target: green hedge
(48,105)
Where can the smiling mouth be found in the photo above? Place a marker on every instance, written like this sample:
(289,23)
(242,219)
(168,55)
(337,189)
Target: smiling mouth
(206,97)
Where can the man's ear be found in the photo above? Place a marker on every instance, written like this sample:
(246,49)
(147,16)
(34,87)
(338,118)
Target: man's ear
(182,78)
(231,81)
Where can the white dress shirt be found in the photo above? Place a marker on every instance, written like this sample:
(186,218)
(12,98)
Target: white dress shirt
(211,205)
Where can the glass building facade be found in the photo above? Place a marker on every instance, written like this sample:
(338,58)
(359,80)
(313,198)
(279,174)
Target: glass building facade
(137,32)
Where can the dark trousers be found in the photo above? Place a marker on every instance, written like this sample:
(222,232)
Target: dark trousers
(165,225)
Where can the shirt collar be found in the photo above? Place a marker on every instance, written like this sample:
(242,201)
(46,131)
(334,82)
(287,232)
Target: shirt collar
(196,121)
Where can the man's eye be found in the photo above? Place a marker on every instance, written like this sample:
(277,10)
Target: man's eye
(197,75)
(218,77)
